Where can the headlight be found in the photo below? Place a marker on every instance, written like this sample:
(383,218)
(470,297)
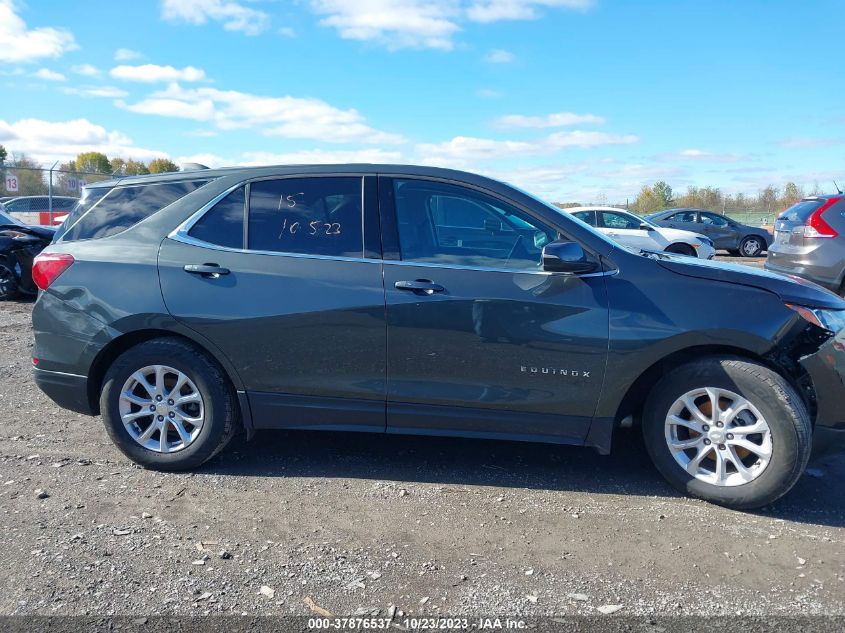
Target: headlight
(832,320)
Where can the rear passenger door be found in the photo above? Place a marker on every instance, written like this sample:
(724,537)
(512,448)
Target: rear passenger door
(282,276)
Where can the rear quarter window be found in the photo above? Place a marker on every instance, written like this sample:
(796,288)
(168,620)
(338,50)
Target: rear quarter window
(223,224)
(123,207)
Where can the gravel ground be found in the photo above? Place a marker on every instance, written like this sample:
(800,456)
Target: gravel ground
(358,524)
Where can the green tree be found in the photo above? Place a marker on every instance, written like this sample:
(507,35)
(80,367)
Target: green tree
(93,162)
(663,193)
(161,165)
(135,168)
(647,201)
(3,154)
(792,193)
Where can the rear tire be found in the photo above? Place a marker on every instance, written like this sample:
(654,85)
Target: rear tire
(142,410)
(715,465)
(681,249)
(752,246)
(8,283)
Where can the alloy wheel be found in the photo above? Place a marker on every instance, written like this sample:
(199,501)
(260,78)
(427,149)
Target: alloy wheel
(161,409)
(751,247)
(718,437)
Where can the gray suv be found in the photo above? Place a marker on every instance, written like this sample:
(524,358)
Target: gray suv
(413,300)
(810,242)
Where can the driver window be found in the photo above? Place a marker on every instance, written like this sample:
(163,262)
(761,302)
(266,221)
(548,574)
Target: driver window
(618,221)
(446,224)
(715,220)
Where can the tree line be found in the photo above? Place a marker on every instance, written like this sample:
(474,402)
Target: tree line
(87,166)
(769,200)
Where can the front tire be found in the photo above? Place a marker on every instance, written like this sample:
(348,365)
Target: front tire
(8,283)
(167,406)
(729,431)
(752,246)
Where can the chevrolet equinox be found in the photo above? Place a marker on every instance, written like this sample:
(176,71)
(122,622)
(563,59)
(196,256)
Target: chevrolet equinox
(188,306)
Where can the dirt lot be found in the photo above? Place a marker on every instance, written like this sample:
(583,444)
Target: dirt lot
(361,523)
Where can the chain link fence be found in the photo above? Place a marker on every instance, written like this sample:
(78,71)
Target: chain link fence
(35,195)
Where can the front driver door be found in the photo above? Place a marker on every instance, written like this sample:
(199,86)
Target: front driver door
(481,341)
(626,230)
(718,229)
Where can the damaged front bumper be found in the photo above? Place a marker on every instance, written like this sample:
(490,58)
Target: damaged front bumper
(826,369)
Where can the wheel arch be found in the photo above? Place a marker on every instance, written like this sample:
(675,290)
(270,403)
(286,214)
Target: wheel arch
(633,401)
(118,345)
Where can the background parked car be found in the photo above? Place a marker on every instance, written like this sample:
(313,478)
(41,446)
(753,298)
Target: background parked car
(36,209)
(19,244)
(810,242)
(724,232)
(631,230)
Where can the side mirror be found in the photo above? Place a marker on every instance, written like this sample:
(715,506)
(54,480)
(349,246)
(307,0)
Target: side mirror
(646,227)
(563,256)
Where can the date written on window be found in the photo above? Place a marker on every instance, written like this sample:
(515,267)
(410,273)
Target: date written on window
(314,228)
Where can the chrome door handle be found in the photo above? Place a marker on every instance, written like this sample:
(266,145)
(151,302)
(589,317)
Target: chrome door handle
(212,271)
(419,286)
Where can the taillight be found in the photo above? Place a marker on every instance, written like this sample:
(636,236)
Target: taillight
(48,266)
(816,226)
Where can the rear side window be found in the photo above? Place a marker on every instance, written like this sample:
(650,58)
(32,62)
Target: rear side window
(586,216)
(124,207)
(801,211)
(223,224)
(684,216)
(313,216)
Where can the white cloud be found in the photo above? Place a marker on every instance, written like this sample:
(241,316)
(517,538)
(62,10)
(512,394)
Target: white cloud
(87,70)
(151,73)
(496,10)
(49,75)
(207,159)
(580,138)
(499,56)
(488,93)
(557,119)
(393,23)
(463,151)
(47,141)
(18,43)
(808,143)
(324,157)
(287,31)
(286,117)
(126,55)
(701,155)
(233,15)
(108,92)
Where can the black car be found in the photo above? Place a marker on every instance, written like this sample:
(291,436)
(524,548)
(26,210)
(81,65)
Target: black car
(19,244)
(725,233)
(411,300)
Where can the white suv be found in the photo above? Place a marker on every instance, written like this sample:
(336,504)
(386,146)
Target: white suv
(636,232)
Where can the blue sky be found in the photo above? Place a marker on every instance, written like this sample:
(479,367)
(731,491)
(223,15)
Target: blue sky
(571,99)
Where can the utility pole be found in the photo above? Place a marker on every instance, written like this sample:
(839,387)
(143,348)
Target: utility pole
(50,193)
